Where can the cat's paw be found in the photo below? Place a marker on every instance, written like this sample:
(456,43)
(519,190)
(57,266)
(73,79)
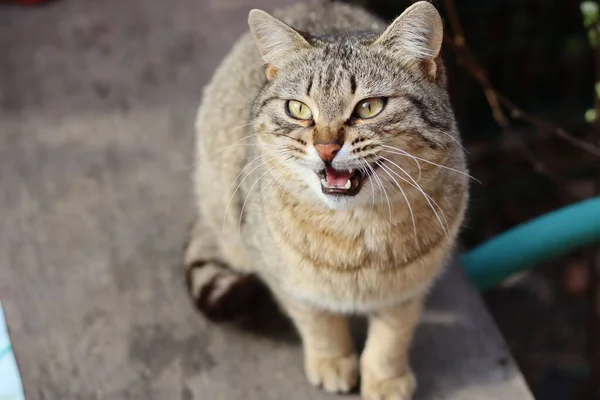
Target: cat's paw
(333,374)
(397,388)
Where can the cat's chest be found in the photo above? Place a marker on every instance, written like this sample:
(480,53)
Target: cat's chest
(339,265)
(343,246)
(346,275)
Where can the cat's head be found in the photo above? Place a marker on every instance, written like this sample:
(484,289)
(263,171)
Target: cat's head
(358,118)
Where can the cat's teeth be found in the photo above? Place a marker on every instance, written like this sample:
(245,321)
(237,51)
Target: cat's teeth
(347,185)
(349,170)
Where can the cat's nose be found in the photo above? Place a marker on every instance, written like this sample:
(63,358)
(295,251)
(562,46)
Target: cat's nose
(327,151)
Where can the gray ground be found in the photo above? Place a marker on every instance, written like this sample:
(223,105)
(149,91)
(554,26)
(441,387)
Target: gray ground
(97,100)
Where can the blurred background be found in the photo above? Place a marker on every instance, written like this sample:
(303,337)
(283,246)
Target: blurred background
(536,53)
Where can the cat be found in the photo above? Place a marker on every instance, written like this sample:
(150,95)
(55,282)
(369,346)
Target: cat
(330,168)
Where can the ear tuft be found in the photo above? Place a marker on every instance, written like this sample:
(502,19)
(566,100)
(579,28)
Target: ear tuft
(274,39)
(417,34)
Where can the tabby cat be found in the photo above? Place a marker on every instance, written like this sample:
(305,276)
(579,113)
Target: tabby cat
(330,168)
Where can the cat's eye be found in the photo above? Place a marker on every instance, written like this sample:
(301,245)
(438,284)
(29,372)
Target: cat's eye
(298,110)
(368,108)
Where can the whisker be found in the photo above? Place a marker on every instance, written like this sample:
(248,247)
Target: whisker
(415,160)
(271,187)
(235,128)
(428,198)
(240,184)
(420,189)
(405,153)
(236,142)
(374,173)
(412,215)
(365,172)
(195,163)
(248,195)
(455,140)
(256,159)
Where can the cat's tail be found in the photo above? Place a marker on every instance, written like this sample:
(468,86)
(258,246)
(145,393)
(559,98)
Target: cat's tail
(219,292)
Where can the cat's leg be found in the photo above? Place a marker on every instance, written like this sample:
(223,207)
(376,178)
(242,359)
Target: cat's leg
(218,291)
(385,369)
(330,360)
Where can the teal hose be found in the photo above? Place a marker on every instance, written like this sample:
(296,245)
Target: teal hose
(533,242)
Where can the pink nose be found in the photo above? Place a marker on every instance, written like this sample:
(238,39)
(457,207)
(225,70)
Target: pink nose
(327,151)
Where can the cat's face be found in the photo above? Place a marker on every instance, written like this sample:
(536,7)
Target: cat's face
(359,119)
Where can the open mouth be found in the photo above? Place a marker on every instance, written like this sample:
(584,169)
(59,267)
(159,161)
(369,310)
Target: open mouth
(346,182)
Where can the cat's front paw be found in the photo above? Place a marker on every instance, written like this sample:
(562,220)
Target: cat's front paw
(396,388)
(334,374)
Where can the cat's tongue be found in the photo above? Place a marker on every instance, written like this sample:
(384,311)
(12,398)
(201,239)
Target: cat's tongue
(337,178)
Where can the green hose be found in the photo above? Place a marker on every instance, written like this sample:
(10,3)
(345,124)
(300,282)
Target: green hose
(533,242)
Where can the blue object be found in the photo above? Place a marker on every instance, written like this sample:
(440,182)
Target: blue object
(533,242)
(11,387)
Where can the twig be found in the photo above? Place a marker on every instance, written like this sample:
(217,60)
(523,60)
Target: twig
(495,99)
(458,45)
(459,33)
(459,41)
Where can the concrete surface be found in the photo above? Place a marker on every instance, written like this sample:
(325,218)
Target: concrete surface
(97,101)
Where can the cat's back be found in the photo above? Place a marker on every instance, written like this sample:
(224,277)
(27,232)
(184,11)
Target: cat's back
(322,17)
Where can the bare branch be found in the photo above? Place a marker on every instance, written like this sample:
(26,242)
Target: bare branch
(495,98)
(458,45)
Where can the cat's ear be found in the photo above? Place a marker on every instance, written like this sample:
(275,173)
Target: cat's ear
(417,34)
(274,40)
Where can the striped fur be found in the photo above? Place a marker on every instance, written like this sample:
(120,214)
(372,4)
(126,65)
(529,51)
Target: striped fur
(264,217)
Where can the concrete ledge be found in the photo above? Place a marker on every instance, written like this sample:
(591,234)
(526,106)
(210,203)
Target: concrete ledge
(96,113)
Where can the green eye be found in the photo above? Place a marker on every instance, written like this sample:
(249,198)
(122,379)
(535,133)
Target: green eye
(369,108)
(297,109)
